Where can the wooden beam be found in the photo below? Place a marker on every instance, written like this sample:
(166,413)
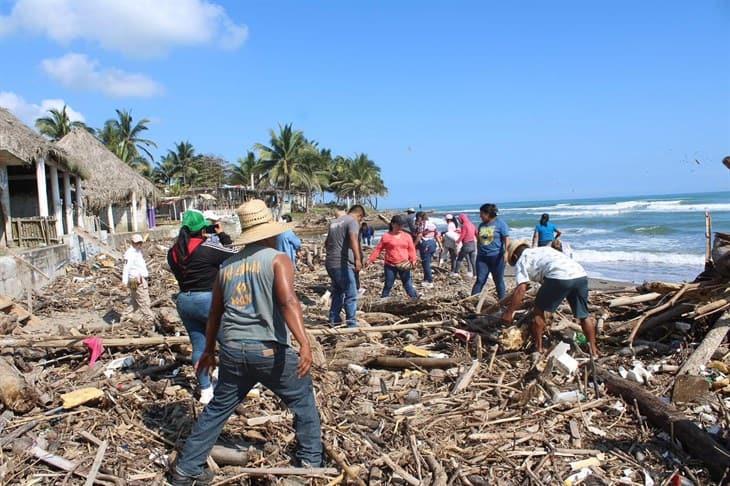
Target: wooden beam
(40,177)
(110,219)
(80,212)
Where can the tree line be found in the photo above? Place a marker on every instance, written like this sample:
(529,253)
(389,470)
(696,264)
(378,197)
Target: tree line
(288,162)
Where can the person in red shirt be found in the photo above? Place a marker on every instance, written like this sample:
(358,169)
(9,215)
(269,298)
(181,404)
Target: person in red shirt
(400,257)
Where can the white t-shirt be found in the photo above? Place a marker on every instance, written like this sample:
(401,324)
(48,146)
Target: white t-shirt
(537,264)
(134,265)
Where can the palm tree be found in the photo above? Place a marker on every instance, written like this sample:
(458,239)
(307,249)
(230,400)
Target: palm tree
(183,158)
(282,159)
(165,171)
(247,171)
(58,124)
(123,137)
(358,179)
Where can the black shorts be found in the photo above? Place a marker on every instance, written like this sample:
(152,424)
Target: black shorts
(552,292)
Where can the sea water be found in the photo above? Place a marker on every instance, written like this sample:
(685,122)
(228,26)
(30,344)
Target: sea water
(632,239)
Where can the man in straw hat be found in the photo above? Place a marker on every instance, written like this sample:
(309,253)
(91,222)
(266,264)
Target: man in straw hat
(561,278)
(134,277)
(253,314)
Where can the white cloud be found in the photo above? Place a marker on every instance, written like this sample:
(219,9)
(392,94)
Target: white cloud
(29,112)
(140,28)
(77,71)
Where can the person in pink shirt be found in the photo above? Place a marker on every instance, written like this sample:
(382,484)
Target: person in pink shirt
(400,257)
(468,240)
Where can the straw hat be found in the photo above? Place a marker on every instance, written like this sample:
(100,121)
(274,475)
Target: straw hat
(515,245)
(257,222)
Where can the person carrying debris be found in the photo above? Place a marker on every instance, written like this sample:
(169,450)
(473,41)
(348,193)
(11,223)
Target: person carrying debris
(194,260)
(343,262)
(134,277)
(560,278)
(400,256)
(254,312)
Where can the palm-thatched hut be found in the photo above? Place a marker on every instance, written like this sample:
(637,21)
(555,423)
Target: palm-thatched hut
(118,196)
(31,173)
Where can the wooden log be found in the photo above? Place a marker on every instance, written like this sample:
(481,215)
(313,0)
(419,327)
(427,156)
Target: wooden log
(112,342)
(400,471)
(661,318)
(226,456)
(666,417)
(15,393)
(281,471)
(406,363)
(712,306)
(97,464)
(702,355)
(636,299)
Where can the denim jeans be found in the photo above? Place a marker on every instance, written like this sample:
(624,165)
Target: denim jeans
(427,248)
(405,277)
(242,365)
(193,308)
(493,264)
(468,251)
(344,294)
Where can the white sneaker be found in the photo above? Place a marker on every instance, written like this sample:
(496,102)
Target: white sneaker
(206,395)
(427,285)
(469,275)
(361,291)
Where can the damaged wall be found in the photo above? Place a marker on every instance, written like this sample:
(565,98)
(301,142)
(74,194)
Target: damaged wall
(16,277)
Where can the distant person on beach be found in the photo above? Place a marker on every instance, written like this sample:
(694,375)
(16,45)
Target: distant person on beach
(400,257)
(194,260)
(560,278)
(449,240)
(343,262)
(545,232)
(468,241)
(410,226)
(134,277)
(428,240)
(288,242)
(366,234)
(492,245)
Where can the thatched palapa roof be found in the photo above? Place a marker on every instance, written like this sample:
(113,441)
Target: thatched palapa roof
(26,145)
(110,180)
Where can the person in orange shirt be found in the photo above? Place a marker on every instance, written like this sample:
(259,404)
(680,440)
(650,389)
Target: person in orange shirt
(400,257)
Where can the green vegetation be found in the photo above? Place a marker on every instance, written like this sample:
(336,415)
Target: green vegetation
(288,163)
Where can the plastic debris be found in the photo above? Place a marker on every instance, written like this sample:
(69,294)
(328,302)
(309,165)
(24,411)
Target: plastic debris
(118,364)
(561,356)
(577,478)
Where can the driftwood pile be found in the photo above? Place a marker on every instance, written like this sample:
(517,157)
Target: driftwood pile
(424,392)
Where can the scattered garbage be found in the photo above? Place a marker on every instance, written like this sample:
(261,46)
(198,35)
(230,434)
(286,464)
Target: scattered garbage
(565,360)
(118,364)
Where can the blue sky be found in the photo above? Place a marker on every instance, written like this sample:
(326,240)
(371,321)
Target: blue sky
(458,102)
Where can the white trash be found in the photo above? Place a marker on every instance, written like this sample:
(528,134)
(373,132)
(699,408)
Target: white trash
(118,364)
(567,397)
(561,356)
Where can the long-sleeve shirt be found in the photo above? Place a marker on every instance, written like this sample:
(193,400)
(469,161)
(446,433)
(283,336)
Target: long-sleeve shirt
(134,266)
(398,248)
(468,230)
(289,243)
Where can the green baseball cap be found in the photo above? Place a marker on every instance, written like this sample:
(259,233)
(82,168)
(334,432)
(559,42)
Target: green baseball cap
(194,220)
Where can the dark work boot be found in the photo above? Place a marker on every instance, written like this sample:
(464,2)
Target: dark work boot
(176,478)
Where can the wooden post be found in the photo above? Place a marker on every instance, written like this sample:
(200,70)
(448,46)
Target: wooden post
(708,237)
(110,218)
(68,204)
(56,199)
(80,213)
(40,175)
(135,223)
(5,194)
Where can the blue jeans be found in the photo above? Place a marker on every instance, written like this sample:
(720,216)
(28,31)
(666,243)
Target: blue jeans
(193,308)
(242,365)
(344,294)
(405,277)
(493,264)
(427,248)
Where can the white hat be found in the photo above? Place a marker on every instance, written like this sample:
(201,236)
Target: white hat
(137,238)
(449,216)
(257,222)
(410,210)
(212,216)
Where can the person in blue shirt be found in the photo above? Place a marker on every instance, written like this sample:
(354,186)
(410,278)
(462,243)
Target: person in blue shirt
(366,234)
(492,241)
(545,232)
(288,242)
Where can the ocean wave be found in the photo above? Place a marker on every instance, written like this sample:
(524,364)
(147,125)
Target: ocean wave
(600,256)
(623,207)
(652,230)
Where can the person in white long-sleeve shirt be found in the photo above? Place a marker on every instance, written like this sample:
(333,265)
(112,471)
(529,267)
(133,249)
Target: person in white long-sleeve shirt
(134,277)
